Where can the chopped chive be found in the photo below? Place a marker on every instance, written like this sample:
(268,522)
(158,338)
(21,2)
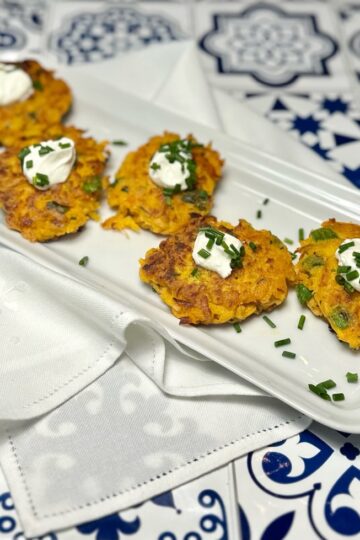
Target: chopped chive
(44,150)
(352,377)
(38,85)
(303,293)
(323,234)
(41,180)
(64,145)
(288,241)
(195,272)
(344,247)
(350,276)
(282,342)
(343,269)
(328,384)
(319,391)
(23,153)
(266,201)
(259,214)
(301,235)
(252,246)
(269,321)
(293,256)
(301,322)
(29,164)
(288,354)
(237,327)
(84,261)
(204,254)
(338,397)
(155,166)
(92,184)
(210,243)
(119,142)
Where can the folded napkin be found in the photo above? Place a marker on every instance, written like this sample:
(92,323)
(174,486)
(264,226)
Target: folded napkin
(100,407)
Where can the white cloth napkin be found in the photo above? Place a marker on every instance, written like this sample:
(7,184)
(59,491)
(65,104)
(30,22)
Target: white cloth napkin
(107,382)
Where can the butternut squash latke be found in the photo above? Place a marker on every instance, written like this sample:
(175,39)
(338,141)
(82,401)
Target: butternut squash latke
(63,208)
(199,296)
(318,280)
(140,203)
(48,104)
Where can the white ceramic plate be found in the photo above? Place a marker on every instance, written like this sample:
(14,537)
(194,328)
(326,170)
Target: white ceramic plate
(297,199)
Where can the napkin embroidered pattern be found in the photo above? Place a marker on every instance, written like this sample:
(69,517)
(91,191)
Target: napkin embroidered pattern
(273,46)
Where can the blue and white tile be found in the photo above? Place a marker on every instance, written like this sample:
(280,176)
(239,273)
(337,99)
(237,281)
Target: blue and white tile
(204,509)
(305,487)
(21,26)
(271,45)
(80,32)
(350,21)
(328,123)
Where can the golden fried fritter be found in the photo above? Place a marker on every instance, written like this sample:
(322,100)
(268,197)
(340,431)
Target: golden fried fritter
(63,208)
(48,104)
(140,203)
(199,296)
(317,271)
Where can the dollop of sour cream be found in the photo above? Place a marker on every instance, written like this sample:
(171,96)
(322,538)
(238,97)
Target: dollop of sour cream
(49,162)
(348,258)
(167,174)
(218,261)
(15,84)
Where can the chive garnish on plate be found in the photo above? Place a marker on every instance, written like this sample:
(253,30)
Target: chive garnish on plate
(119,142)
(259,214)
(352,377)
(282,342)
(237,327)
(301,322)
(301,235)
(269,321)
(338,397)
(288,354)
(84,261)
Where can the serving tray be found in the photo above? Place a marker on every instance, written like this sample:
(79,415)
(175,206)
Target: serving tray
(297,199)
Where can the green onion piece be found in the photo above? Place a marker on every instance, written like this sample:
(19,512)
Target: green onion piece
(168,200)
(352,377)
(38,85)
(84,261)
(23,153)
(237,327)
(338,397)
(350,276)
(311,261)
(210,243)
(43,150)
(282,342)
(328,384)
(195,272)
(288,241)
(343,269)
(340,317)
(119,142)
(293,256)
(41,180)
(29,164)
(288,354)
(64,145)
(301,235)
(319,391)
(204,254)
(92,184)
(53,205)
(155,166)
(344,247)
(303,293)
(323,234)
(252,246)
(269,321)
(301,322)
(259,214)
(266,201)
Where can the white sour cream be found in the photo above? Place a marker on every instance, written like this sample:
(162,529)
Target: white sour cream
(15,84)
(346,258)
(54,164)
(166,174)
(218,261)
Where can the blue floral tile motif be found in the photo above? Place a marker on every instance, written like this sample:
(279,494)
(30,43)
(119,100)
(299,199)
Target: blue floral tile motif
(11,38)
(30,14)
(112,527)
(354,44)
(90,37)
(269,44)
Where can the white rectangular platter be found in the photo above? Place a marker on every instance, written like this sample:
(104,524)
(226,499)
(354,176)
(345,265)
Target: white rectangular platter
(297,199)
